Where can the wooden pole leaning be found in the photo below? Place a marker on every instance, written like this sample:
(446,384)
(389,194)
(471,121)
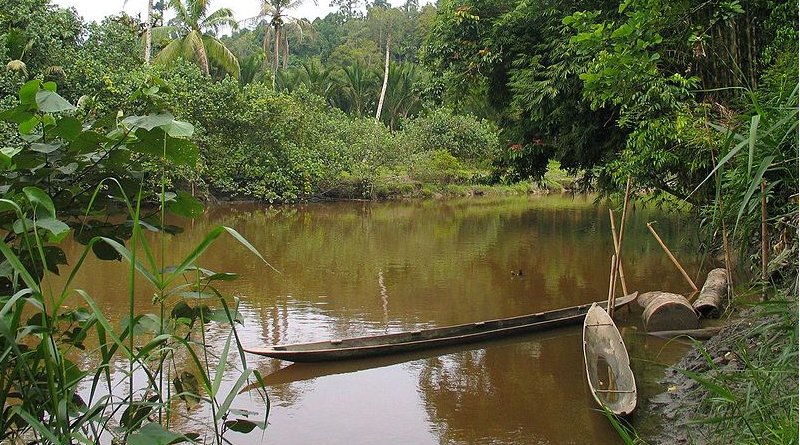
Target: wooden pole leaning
(618,270)
(618,253)
(611,279)
(672,257)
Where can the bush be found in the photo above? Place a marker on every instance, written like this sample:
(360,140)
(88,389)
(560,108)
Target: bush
(464,136)
(437,166)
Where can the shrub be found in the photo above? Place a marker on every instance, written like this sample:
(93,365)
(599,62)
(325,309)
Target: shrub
(464,136)
(437,166)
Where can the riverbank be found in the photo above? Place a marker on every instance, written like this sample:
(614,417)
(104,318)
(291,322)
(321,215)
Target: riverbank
(738,387)
(401,185)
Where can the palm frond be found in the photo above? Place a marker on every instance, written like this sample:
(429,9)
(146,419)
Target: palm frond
(219,19)
(198,9)
(221,55)
(194,48)
(181,14)
(161,33)
(170,52)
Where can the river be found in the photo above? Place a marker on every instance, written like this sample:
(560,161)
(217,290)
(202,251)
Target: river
(356,268)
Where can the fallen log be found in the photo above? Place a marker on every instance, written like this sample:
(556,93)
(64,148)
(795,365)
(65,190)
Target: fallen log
(709,302)
(669,312)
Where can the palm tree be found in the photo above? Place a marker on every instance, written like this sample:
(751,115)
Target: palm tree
(357,87)
(191,35)
(274,12)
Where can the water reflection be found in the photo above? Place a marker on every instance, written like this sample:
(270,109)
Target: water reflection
(353,268)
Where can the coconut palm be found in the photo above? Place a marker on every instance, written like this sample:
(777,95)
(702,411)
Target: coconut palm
(275,14)
(191,35)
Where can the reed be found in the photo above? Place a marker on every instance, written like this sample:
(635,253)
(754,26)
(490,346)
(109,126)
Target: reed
(49,398)
(60,366)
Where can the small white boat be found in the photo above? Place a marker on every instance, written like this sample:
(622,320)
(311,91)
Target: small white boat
(608,367)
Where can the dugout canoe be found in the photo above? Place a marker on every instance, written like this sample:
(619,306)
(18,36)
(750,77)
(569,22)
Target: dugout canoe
(608,367)
(385,344)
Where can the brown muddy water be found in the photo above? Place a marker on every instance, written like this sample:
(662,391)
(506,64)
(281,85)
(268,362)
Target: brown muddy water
(356,268)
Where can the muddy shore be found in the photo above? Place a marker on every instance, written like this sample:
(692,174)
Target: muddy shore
(682,408)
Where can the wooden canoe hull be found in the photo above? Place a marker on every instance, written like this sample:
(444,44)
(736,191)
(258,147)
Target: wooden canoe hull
(359,347)
(608,367)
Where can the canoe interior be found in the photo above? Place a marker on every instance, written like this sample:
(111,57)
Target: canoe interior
(608,369)
(356,347)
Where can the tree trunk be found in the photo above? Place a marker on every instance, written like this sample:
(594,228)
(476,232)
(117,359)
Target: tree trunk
(277,55)
(266,45)
(385,78)
(148,33)
(709,303)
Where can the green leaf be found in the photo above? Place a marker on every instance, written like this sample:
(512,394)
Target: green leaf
(54,257)
(39,199)
(18,114)
(67,128)
(54,226)
(51,102)
(68,169)
(135,414)
(243,425)
(22,225)
(178,129)
(28,126)
(27,93)
(104,251)
(44,148)
(623,31)
(752,141)
(243,241)
(18,266)
(225,276)
(223,316)
(87,141)
(716,388)
(755,183)
(149,121)
(154,434)
(179,151)
(240,383)
(6,155)
(185,205)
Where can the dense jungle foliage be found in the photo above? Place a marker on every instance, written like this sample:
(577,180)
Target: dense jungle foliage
(695,102)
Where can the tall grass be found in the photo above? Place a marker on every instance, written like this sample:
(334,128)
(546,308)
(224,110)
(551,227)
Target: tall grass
(48,391)
(49,398)
(754,399)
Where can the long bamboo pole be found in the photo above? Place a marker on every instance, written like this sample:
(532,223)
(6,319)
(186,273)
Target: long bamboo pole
(617,251)
(611,279)
(672,257)
(618,270)
(764,240)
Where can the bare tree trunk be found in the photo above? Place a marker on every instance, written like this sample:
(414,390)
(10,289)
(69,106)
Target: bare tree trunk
(385,78)
(148,32)
(266,45)
(277,55)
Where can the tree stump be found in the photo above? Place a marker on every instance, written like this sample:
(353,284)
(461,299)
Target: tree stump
(709,302)
(669,312)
